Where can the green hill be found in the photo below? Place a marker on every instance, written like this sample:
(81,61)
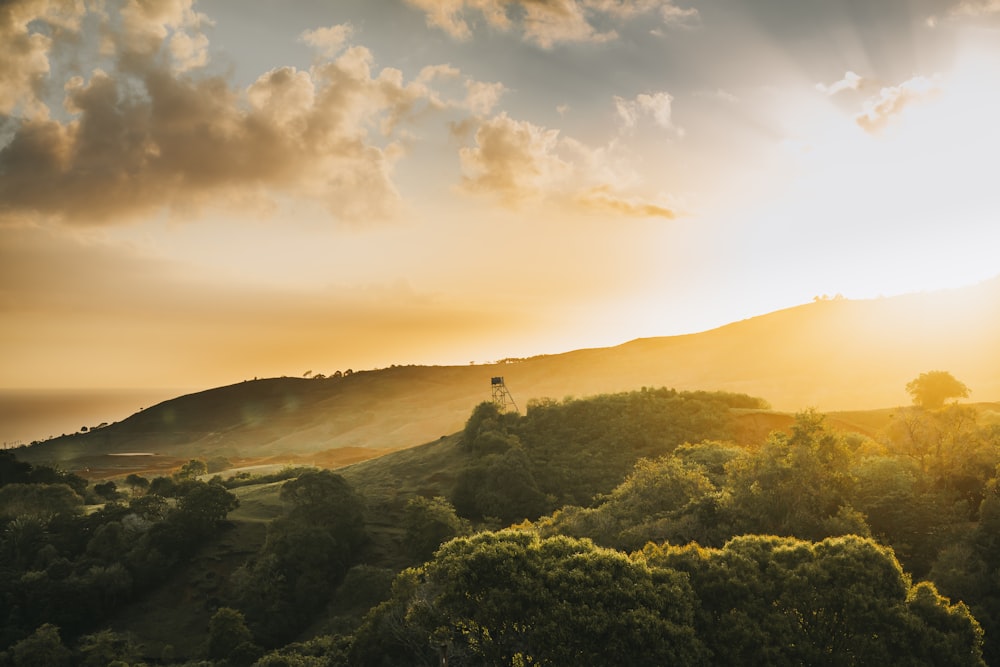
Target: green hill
(831,355)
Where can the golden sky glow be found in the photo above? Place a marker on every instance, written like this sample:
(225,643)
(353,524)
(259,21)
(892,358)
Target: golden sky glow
(193,193)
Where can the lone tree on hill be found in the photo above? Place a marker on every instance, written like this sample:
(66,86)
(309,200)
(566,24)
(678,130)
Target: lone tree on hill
(933,388)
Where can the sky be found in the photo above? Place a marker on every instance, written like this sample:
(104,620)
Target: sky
(197,193)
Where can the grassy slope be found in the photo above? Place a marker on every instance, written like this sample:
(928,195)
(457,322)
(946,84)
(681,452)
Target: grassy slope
(831,355)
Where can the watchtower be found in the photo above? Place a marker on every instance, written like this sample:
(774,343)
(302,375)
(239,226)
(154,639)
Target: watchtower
(501,396)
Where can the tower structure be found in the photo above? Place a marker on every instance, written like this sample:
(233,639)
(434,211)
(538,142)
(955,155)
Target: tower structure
(501,396)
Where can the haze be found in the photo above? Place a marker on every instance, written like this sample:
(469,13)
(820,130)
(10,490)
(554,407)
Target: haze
(195,193)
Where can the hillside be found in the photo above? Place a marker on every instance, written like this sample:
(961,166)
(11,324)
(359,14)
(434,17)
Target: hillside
(832,355)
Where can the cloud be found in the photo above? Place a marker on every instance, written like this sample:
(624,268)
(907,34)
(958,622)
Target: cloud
(146,133)
(603,198)
(656,106)
(25,62)
(181,143)
(976,8)
(519,162)
(482,97)
(673,15)
(545,23)
(513,158)
(851,81)
(328,41)
(892,100)
(145,25)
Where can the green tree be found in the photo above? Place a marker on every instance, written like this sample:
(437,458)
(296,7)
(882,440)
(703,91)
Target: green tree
(227,631)
(660,500)
(429,522)
(43,648)
(842,601)
(205,505)
(796,485)
(40,500)
(193,469)
(305,556)
(931,389)
(23,538)
(105,648)
(512,598)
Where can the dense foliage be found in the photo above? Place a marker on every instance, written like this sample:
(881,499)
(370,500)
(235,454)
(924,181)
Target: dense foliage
(64,572)
(643,535)
(307,553)
(513,598)
(565,453)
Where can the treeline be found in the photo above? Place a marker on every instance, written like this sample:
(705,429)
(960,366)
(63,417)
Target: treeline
(566,453)
(514,598)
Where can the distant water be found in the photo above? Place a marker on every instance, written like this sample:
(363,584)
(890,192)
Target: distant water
(37,414)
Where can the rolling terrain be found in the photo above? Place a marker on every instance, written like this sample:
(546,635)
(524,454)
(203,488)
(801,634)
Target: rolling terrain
(833,355)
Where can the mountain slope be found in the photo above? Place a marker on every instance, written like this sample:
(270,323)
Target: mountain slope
(832,355)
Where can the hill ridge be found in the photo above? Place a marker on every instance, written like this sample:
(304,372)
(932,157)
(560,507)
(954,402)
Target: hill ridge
(837,354)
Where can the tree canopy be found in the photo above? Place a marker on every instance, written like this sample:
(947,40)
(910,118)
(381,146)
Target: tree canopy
(930,390)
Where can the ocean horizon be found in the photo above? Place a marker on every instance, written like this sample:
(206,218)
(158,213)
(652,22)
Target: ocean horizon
(29,415)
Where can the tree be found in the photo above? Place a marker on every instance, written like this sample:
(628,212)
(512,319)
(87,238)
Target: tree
(41,500)
(205,505)
(227,631)
(162,486)
(930,390)
(137,483)
(107,490)
(795,485)
(843,601)
(43,648)
(429,522)
(192,470)
(107,648)
(306,555)
(513,598)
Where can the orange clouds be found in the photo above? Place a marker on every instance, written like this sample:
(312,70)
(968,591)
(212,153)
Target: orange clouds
(518,161)
(25,62)
(891,101)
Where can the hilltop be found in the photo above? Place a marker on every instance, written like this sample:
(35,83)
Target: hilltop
(832,355)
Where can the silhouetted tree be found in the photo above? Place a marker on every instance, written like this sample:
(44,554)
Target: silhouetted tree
(930,390)
(136,482)
(107,490)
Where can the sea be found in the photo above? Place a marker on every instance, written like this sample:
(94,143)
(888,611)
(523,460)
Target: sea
(28,415)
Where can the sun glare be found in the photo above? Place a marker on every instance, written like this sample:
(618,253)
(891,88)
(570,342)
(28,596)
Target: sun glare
(902,188)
